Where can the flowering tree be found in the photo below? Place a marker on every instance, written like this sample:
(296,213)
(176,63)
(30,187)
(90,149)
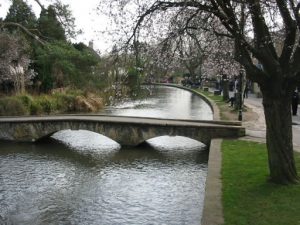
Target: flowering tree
(253,26)
(56,61)
(14,62)
(197,47)
(220,59)
(202,47)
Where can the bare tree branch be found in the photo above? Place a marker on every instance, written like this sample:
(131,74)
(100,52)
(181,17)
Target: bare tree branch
(40,4)
(163,6)
(24,29)
(290,31)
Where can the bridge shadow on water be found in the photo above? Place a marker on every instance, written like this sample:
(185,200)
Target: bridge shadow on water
(99,178)
(159,149)
(87,155)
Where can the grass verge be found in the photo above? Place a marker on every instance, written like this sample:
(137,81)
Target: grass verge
(247,196)
(226,113)
(218,99)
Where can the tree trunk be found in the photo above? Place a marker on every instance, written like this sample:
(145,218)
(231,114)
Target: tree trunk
(280,139)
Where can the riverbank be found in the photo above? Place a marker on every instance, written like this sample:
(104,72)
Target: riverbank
(227,112)
(237,177)
(66,100)
(58,102)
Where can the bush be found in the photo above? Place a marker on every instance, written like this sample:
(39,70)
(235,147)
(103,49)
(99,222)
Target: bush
(26,100)
(35,108)
(11,106)
(46,104)
(65,102)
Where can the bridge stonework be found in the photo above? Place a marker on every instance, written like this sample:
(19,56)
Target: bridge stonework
(127,131)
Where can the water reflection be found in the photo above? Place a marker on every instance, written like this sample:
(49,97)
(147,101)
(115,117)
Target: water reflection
(165,102)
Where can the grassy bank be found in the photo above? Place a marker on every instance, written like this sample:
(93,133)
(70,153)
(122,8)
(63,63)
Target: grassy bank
(247,196)
(66,102)
(226,112)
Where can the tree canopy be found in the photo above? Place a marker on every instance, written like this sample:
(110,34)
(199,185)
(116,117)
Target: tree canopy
(41,44)
(20,12)
(49,26)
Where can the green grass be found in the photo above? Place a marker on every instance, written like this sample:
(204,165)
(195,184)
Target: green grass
(248,198)
(218,99)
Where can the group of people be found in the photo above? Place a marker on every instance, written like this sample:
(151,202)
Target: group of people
(190,82)
(235,87)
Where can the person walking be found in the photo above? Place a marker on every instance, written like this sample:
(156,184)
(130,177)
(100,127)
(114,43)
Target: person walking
(295,101)
(247,89)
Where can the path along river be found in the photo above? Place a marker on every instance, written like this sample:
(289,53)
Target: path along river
(80,177)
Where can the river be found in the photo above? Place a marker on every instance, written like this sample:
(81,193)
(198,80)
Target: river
(80,177)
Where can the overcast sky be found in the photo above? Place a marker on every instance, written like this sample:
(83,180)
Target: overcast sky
(86,19)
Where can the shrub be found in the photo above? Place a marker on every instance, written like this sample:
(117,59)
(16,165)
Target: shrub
(26,100)
(65,102)
(46,104)
(11,106)
(35,108)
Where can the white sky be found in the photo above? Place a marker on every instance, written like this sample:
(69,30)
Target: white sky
(86,19)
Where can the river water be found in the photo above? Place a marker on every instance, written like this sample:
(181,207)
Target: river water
(80,177)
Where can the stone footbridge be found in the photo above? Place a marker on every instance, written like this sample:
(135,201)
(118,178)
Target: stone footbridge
(127,131)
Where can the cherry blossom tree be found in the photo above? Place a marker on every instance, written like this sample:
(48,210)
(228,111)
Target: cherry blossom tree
(14,62)
(254,27)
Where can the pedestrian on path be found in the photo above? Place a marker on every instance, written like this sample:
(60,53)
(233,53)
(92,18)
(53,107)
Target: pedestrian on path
(231,100)
(247,88)
(295,101)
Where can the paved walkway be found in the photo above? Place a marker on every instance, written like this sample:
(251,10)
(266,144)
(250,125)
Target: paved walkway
(256,129)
